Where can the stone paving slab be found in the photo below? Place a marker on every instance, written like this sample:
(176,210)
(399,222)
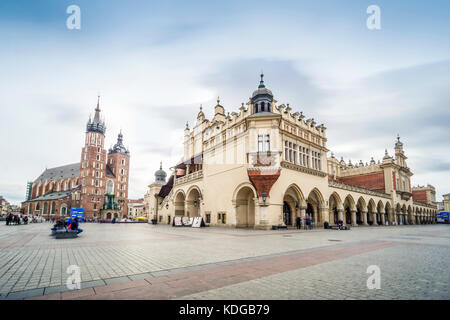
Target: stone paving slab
(30,259)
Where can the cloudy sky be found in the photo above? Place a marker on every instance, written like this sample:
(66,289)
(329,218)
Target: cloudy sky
(155,62)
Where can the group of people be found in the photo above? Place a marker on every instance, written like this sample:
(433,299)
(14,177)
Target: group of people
(67,224)
(307,223)
(16,219)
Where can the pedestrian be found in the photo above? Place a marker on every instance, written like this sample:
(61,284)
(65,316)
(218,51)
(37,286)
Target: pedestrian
(298,222)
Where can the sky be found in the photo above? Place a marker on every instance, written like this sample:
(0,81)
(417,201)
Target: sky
(154,62)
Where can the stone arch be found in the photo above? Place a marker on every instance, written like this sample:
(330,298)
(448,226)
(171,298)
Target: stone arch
(193,201)
(361,211)
(239,187)
(349,207)
(334,207)
(410,215)
(314,204)
(179,200)
(371,213)
(388,212)
(245,206)
(293,202)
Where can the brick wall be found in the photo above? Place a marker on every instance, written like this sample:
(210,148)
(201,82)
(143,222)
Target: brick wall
(373,181)
(420,195)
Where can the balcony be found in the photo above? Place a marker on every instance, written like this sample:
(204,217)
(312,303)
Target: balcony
(405,195)
(190,177)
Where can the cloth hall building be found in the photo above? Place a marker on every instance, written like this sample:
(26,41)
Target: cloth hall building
(266,165)
(98,183)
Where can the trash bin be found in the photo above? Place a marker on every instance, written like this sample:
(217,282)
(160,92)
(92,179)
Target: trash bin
(325,225)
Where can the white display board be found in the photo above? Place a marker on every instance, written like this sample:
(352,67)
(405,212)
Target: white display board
(197,222)
(178,222)
(187,221)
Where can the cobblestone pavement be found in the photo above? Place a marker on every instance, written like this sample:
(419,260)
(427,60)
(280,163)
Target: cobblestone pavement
(161,262)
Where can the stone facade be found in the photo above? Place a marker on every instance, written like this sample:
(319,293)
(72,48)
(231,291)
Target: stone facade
(90,184)
(264,166)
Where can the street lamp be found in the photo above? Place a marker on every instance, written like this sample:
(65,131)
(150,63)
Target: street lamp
(264,196)
(167,205)
(195,202)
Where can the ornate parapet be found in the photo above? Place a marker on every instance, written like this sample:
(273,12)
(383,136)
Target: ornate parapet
(422,204)
(190,177)
(349,187)
(299,168)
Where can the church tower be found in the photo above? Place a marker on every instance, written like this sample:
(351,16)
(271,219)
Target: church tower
(93,165)
(119,165)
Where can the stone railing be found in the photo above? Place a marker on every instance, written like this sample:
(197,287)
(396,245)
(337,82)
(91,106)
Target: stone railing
(190,177)
(296,167)
(350,187)
(422,204)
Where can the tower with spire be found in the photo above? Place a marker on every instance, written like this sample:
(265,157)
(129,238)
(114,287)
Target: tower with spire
(262,98)
(93,164)
(118,167)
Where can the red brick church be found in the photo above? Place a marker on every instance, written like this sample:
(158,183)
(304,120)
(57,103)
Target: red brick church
(98,183)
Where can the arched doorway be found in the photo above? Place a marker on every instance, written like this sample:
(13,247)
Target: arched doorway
(349,206)
(193,202)
(348,216)
(179,204)
(245,208)
(335,204)
(293,205)
(287,214)
(108,215)
(63,211)
(314,204)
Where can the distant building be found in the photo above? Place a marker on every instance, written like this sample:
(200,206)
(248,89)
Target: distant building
(98,183)
(446,202)
(136,208)
(4,207)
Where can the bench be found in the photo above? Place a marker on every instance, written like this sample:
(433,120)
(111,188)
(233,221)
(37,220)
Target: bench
(63,234)
(279,227)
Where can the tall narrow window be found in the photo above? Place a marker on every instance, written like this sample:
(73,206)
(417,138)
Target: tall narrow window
(286,151)
(260,143)
(267,143)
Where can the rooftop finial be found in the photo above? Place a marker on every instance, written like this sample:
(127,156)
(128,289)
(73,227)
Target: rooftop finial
(261,83)
(98,101)
(160,165)
(398,137)
(201,107)
(218,100)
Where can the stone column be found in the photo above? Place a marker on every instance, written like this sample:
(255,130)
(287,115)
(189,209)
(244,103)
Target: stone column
(323,213)
(405,217)
(383,219)
(374,217)
(395,218)
(340,214)
(364,215)
(353,216)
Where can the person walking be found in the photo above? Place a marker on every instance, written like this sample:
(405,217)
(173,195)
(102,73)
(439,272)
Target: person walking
(298,222)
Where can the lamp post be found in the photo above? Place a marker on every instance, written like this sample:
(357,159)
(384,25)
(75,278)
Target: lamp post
(264,196)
